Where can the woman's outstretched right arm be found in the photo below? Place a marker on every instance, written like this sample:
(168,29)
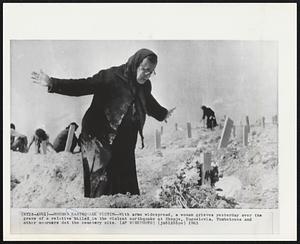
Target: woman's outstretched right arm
(70,87)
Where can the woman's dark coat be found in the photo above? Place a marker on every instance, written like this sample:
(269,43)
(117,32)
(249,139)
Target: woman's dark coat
(116,115)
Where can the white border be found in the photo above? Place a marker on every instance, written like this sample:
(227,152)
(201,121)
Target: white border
(166,22)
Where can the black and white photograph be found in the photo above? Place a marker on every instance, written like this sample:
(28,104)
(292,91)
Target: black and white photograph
(144,124)
(153,121)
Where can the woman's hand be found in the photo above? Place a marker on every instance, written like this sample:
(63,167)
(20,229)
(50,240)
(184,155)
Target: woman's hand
(40,78)
(169,114)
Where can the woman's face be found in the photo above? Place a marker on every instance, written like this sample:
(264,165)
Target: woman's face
(144,71)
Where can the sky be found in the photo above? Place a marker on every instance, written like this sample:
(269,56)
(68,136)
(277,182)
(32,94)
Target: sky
(234,78)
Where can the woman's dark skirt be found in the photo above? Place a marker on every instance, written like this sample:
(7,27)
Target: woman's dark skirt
(110,169)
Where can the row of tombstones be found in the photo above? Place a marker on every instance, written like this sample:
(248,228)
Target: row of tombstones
(228,127)
(159,133)
(208,174)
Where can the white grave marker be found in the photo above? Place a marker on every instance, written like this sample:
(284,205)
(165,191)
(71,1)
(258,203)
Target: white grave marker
(248,123)
(70,138)
(157,140)
(226,133)
(205,168)
(245,135)
(189,129)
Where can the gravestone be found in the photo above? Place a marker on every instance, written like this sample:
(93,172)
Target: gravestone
(205,168)
(248,124)
(245,135)
(233,131)
(70,138)
(189,129)
(161,130)
(225,136)
(176,126)
(157,140)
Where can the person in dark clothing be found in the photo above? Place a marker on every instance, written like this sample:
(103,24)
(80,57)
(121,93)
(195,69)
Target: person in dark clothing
(209,114)
(122,98)
(18,142)
(39,136)
(60,141)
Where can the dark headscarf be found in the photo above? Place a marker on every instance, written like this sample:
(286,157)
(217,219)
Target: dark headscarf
(41,134)
(134,61)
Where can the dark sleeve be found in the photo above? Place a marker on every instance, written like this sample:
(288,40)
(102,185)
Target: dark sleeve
(77,87)
(154,109)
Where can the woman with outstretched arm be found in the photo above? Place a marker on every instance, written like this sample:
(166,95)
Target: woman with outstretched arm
(121,99)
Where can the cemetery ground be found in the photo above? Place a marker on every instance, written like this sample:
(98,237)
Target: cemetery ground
(168,177)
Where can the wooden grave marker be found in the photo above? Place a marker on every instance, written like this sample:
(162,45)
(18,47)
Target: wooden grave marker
(157,139)
(70,138)
(161,130)
(233,130)
(205,168)
(245,135)
(225,136)
(248,123)
(189,129)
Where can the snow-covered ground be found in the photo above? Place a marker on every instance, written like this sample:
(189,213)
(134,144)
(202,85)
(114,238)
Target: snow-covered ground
(167,178)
